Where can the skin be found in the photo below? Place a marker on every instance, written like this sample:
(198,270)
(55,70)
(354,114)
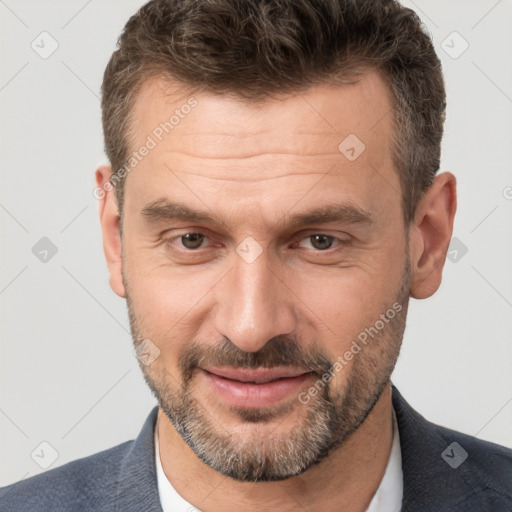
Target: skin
(253,166)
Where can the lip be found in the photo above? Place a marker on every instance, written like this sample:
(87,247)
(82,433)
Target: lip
(255,388)
(257,376)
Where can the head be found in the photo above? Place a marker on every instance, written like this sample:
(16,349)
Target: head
(272,203)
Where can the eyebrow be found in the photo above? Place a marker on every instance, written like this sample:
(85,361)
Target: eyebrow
(163,210)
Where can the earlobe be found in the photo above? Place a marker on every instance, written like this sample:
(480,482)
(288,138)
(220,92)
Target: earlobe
(430,235)
(110,227)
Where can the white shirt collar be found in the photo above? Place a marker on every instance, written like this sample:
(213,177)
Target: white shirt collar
(391,489)
(170,500)
(387,498)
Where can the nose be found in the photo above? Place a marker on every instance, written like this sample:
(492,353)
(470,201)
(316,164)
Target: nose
(254,304)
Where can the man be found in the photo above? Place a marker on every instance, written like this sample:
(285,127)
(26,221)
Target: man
(271,204)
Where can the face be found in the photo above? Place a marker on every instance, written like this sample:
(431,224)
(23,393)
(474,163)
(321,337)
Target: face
(267,268)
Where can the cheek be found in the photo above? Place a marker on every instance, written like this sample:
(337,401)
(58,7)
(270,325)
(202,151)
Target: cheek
(347,301)
(170,304)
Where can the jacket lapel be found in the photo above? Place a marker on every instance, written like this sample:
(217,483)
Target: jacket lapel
(137,488)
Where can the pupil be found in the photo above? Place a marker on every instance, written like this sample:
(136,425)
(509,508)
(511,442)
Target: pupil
(321,241)
(192,240)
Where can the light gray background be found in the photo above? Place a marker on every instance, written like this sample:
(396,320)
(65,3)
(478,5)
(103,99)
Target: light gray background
(68,374)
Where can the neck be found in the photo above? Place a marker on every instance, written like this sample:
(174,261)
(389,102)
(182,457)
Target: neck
(345,480)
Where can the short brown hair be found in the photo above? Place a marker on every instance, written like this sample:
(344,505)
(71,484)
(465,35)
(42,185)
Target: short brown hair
(255,48)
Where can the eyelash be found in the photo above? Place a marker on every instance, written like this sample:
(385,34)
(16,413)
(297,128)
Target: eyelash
(340,241)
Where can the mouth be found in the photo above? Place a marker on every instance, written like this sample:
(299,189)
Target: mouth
(257,376)
(255,388)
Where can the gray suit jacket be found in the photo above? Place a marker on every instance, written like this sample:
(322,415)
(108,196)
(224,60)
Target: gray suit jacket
(123,478)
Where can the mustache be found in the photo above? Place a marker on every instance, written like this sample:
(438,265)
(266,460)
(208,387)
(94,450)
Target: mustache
(281,351)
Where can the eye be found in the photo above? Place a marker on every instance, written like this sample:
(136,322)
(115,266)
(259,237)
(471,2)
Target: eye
(188,241)
(192,240)
(320,241)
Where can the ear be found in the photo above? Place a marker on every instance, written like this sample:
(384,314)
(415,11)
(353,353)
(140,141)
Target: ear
(430,234)
(110,227)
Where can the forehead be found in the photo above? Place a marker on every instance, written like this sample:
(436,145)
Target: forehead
(283,122)
(216,141)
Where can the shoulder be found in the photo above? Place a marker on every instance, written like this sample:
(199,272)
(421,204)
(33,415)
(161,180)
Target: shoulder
(122,478)
(446,470)
(485,467)
(79,485)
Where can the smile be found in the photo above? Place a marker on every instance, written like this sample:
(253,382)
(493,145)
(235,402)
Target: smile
(255,388)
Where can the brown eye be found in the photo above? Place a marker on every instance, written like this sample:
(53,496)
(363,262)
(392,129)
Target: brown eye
(192,240)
